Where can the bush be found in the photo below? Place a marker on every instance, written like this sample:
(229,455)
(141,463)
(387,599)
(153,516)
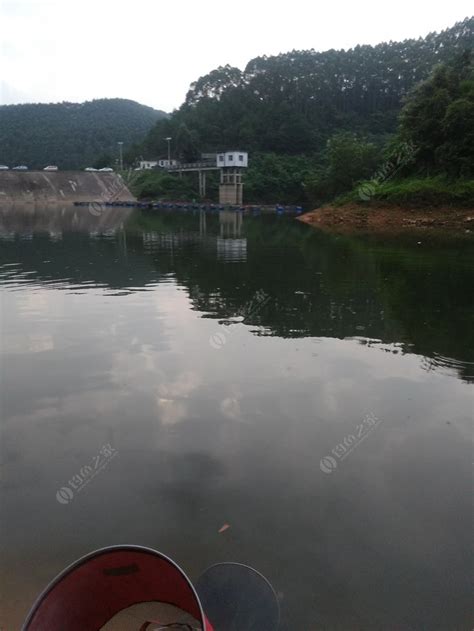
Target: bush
(428,191)
(347,159)
(157,185)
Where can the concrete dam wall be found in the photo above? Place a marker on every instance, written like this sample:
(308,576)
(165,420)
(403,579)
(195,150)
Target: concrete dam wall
(61,187)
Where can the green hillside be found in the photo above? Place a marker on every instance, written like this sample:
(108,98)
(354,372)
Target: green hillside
(293,102)
(319,123)
(71,135)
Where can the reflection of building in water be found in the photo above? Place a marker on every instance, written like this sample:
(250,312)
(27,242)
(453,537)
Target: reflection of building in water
(202,223)
(230,223)
(55,236)
(154,241)
(7,236)
(231,248)
(158,240)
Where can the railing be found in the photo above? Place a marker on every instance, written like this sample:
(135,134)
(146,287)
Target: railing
(192,165)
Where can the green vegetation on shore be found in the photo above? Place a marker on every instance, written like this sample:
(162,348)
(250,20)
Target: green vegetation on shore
(432,156)
(159,185)
(269,178)
(320,125)
(434,191)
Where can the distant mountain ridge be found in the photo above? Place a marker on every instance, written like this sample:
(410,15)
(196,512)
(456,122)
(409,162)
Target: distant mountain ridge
(71,135)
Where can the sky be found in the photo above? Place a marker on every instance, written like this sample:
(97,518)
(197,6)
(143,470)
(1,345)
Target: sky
(152,50)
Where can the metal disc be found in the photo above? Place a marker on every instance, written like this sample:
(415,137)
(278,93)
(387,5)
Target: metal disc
(236,597)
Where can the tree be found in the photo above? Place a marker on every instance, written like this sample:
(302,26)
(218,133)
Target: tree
(294,102)
(186,144)
(438,119)
(104,160)
(214,84)
(71,135)
(348,159)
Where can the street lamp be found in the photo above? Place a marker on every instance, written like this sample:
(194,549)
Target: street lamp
(120,144)
(168,140)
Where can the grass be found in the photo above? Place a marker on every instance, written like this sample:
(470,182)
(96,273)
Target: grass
(420,192)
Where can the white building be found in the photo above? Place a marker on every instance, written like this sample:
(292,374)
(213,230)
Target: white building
(153,164)
(233,159)
(164,164)
(147,164)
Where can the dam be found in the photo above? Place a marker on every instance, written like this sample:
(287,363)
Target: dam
(61,187)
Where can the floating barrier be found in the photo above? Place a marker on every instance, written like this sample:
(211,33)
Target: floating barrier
(185,206)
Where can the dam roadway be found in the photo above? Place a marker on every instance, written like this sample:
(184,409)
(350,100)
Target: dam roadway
(61,187)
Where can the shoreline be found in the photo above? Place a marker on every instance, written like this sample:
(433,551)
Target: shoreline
(388,218)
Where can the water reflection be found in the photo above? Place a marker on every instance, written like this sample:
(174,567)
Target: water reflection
(380,293)
(55,220)
(222,386)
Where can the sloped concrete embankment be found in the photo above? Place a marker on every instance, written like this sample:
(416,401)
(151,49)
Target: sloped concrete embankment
(61,187)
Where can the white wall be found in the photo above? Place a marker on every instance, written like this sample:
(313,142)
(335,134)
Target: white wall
(233,159)
(147,164)
(166,163)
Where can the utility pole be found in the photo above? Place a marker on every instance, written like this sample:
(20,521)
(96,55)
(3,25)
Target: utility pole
(120,144)
(168,140)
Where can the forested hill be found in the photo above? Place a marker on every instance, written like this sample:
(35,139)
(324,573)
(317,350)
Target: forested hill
(292,103)
(71,135)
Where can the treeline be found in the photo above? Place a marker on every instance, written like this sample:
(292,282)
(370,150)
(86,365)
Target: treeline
(293,102)
(316,123)
(71,135)
(430,160)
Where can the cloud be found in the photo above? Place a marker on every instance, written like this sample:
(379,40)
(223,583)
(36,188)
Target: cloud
(9,94)
(151,52)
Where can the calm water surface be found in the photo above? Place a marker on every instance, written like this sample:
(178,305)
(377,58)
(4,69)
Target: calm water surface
(314,392)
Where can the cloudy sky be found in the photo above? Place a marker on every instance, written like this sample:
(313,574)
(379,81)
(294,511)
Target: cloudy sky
(151,50)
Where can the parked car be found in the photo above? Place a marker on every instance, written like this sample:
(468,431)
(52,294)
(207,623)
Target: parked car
(50,167)
(90,169)
(3,167)
(106,170)
(20,167)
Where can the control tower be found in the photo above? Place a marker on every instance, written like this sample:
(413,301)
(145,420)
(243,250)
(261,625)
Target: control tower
(231,164)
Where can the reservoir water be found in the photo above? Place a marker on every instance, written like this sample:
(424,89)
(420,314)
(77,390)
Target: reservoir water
(221,387)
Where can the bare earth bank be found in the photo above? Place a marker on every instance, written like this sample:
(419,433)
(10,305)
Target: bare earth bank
(388,218)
